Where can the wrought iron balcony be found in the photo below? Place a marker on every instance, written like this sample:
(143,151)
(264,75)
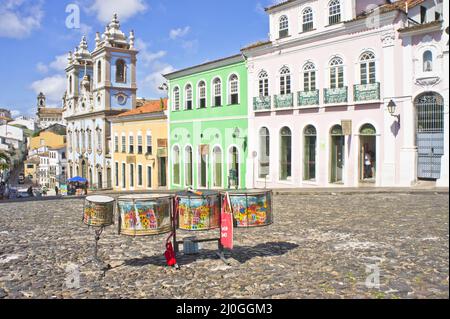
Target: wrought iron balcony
(366,92)
(305,98)
(261,103)
(336,95)
(284,101)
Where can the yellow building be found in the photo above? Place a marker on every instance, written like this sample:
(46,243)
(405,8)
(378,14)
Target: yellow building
(139,140)
(47,139)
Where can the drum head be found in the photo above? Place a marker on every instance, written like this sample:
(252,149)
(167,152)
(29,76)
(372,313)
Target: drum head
(244,192)
(143,197)
(190,194)
(99,199)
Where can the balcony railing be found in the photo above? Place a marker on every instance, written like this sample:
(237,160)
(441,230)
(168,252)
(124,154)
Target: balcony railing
(261,103)
(284,101)
(305,98)
(366,92)
(336,95)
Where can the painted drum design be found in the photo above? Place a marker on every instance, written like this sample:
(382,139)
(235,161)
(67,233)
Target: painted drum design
(98,211)
(198,212)
(144,215)
(251,208)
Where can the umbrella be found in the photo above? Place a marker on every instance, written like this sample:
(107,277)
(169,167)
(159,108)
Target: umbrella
(77,179)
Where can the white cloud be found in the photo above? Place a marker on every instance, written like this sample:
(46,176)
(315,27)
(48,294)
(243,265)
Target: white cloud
(146,56)
(155,79)
(42,68)
(190,46)
(53,87)
(19,19)
(178,33)
(125,9)
(60,63)
(15,113)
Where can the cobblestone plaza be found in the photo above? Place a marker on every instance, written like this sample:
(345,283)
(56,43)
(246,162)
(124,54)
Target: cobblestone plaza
(338,245)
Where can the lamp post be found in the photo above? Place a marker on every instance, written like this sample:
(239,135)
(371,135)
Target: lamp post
(391,109)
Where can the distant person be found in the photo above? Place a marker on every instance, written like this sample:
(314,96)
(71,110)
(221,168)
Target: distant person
(368,165)
(44,191)
(30,191)
(56,190)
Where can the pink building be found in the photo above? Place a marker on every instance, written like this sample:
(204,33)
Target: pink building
(351,93)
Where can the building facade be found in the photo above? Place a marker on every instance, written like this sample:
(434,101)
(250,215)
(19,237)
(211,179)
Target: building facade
(208,125)
(139,140)
(47,116)
(100,85)
(321,89)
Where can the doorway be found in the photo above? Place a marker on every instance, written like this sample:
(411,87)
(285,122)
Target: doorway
(162,173)
(337,155)
(367,154)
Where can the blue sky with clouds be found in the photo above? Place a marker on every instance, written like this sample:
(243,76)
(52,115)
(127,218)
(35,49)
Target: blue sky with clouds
(170,34)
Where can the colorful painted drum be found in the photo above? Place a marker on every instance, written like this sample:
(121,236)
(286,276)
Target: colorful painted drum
(251,208)
(198,212)
(98,211)
(145,215)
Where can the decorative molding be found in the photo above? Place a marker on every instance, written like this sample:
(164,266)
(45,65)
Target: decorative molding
(427,81)
(387,38)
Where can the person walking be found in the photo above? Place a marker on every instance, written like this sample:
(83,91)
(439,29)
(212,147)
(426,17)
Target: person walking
(367,165)
(56,190)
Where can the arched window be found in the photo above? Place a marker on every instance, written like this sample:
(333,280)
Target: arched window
(264,152)
(188,166)
(285,153)
(202,94)
(70,84)
(233,87)
(334,12)
(120,71)
(176,165)
(99,71)
(89,138)
(309,77)
(217,92)
(367,68)
(176,99)
(307,15)
(149,143)
(309,153)
(427,61)
(285,81)
(263,83)
(139,143)
(336,73)
(217,164)
(188,96)
(337,150)
(284,27)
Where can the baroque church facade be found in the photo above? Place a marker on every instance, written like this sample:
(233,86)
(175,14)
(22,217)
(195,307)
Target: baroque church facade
(100,85)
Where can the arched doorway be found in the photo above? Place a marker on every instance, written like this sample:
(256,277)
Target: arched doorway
(337,151)
(83,169)
(309,153)
(429,134)
(367,153)
(233,174)
(99,179)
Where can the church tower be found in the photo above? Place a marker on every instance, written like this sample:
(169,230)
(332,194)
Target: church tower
(114,65)
(41,100)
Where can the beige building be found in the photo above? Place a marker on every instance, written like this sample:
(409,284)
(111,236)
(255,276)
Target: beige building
(139,140)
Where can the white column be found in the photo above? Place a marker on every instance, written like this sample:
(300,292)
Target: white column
(443,181)
(388,91)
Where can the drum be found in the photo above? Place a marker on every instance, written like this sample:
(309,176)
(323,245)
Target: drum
(251,208)
(98,211)
(145,215)
(198,212)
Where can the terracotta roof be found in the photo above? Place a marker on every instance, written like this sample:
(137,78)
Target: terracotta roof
(278,5)
(420,26)
(46,110)
(255,45)
(151,106)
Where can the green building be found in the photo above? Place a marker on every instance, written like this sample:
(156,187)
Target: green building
(208,125)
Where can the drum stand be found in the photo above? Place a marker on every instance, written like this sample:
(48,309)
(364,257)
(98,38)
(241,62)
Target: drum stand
(95,259)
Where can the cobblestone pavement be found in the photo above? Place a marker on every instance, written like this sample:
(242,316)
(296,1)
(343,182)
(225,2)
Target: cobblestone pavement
(320,246)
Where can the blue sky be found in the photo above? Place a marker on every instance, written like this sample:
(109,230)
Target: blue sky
(171,34)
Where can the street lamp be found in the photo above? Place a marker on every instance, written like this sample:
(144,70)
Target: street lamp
(391,109)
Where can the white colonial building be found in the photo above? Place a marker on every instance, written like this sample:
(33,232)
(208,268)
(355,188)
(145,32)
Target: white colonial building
(48,116)
(350,93)
(100,85)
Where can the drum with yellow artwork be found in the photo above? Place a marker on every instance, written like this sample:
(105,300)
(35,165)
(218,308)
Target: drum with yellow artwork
(199,211)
